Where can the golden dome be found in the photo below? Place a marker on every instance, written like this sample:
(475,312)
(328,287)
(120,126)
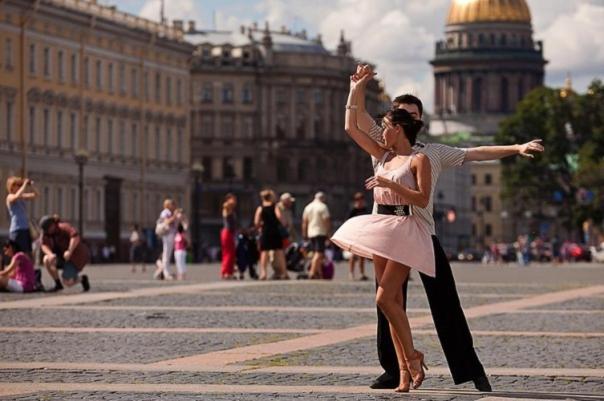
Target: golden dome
(469,11)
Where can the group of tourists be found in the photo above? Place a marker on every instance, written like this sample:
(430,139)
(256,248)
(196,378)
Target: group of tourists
(57,240)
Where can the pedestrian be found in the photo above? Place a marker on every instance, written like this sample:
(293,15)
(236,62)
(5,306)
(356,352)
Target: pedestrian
(20,190)
(137,249)
(394,238)
(180,252)
(449,319)
(227,236)
(316,225)
(247,253)
(166,229)
(63,250)
(19,275)
(358,209)
(268,220)
(285,206)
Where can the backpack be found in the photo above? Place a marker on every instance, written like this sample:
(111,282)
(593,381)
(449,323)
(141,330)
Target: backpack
(161,228)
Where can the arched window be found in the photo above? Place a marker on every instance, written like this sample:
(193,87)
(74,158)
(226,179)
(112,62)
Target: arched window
(504,95)
(477,94)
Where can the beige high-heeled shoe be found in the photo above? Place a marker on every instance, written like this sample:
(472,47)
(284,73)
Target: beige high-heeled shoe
(416,367)
(405,382)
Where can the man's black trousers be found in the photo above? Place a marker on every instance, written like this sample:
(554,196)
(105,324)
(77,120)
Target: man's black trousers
(451,326)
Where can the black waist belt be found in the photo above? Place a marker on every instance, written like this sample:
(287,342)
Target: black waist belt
(396,210)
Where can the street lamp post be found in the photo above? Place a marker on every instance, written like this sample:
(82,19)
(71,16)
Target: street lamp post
(81,158)
(197,171)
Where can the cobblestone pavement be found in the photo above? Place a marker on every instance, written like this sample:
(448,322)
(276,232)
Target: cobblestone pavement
(295,340)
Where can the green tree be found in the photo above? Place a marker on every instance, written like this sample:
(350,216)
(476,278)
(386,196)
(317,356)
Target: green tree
(572,129)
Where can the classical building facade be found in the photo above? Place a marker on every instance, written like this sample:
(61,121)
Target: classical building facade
(268,111)
(80,78)
(484,67)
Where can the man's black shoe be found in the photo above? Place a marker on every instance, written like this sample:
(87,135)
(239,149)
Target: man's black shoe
(85,283)
(385,381)
(482,384)
(58,287)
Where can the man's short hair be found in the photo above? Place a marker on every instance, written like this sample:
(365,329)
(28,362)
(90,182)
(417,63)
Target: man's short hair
(409,99)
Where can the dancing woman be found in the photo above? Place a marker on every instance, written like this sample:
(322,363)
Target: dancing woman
(395,239)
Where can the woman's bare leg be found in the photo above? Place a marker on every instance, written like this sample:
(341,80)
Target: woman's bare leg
(263,263)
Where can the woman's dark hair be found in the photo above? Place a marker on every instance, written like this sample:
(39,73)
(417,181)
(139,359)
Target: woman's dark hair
(180,228)
(409,99)
(410,125)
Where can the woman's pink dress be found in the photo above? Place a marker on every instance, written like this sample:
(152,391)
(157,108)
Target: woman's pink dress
(403,239)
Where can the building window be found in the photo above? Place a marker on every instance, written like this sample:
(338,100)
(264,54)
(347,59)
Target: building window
(32,125)
(207,127)
(169,90)
(487,203)
(85,134)
(157,143)
(61,65)
(46,127)
(146,84)
(9,120)
(228,172)
(99,74)
(32,59)
(206,162)
(301,128)
(280,97)
(207,92)
(473,179)
(504,95)
(122,79)
(59,129)
(477,95)
(157,87)
(87,72)
(168,155)
(8,53)
(74,67)
(303,170)
(473,207)
(318,126)
(248,168)
(319,97)
(73,131)
(97,134)
(488,179)
(47,62)
(300,96)
(280,127)
(227,93)
(248,128)
(99,204)
(246,94)
(488,230)
(134,82)
(110,77)
(134,136)
(178,92)
(179,144)
(282,169)
(121,150)
(227,126)
(110,137)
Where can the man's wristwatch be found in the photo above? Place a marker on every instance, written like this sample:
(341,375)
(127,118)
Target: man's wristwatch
(351,107)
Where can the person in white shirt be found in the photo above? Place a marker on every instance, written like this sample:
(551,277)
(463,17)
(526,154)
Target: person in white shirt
(316,225)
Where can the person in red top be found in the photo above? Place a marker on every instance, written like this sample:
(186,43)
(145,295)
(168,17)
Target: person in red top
(64,250)
(19,275)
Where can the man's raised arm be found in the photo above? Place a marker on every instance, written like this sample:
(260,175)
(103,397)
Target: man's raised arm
(483,153)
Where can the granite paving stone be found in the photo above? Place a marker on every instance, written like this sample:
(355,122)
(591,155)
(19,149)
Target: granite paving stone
(120,348)
(148,318)
(539,322)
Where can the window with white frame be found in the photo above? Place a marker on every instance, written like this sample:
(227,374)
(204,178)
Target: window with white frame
(169,90)
(74,67)
(178,92)
(87,72)
(122,79)
(99,74)
(32,58)
(134,82)
(110,78)
(134,137)
(47,62)
(61,65)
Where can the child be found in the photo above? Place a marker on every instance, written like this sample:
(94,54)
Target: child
(180,253)
(19,276)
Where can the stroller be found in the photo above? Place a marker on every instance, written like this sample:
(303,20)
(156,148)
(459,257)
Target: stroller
(295,260)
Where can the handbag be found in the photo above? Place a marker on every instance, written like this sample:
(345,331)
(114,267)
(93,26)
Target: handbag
(161,228)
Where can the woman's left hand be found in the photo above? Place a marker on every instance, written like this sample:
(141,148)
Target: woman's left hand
(378,181)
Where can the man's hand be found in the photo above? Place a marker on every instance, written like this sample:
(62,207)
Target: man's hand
(363,74)
(527,149)
(378,181)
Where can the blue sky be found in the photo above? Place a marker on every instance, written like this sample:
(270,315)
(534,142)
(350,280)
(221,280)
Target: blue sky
(571,31)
